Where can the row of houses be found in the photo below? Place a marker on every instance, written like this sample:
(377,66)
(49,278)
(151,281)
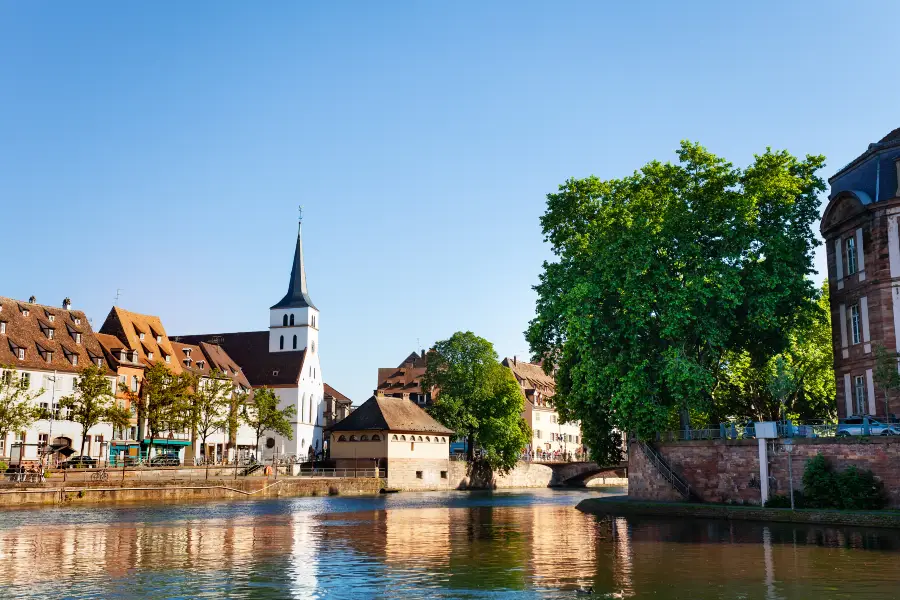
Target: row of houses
(47,347)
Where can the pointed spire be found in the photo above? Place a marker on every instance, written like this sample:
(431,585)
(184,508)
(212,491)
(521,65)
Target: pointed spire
(297,295)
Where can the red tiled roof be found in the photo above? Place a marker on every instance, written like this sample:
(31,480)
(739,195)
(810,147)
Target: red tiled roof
(531,376)
(330,391)
(27,333)
(250,350)
(127,326)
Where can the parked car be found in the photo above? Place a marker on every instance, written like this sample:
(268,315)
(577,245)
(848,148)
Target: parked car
(79,462)
(857,426)
(169,459)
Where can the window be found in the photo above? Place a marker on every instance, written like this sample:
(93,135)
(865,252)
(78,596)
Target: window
(45,407)
(25,312)
(854,322)
(98,439)
(364,438)
(51,318)
(860,394)
(74,359)
(149,356)
(313,344)
(292,319)
(77,338)
(281,343)
(427,438)
(402,438)
(342,439)
(418,474)
(134,383)
(537,417)
(141,336)
(353,438)
(394,439)
(21,353)
(284,321)
(168,359)
(99,361)
(443,474)
(158,339)
(537,434)
(78,321)
(2,326)
(851,256)
(376,438)
(295,342)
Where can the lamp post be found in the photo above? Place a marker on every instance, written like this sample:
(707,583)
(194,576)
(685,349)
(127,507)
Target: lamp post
(50,432)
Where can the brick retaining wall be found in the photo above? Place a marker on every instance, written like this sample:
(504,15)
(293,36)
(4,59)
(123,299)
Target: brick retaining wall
(728,470)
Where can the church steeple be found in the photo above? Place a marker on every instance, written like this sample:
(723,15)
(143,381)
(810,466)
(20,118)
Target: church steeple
(297,295)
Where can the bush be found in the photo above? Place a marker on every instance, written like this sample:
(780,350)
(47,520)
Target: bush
(860,490)
(851,489)
(779,501)
(3,466)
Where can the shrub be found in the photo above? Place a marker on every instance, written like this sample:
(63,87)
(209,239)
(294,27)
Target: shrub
(851,489)
(819,486)
(3,466)
(779,501)
(860,490)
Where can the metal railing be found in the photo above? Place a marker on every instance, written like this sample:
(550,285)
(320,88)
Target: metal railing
(747,431)
(680,485)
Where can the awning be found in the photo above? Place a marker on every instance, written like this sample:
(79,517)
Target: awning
(167,442)
(65,450)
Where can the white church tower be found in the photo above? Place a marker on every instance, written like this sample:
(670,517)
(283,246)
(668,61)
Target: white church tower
(294,321)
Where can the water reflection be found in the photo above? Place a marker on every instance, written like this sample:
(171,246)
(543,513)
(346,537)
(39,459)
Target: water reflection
(532,545)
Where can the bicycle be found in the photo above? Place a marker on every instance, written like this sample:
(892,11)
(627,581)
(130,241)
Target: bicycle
(101,475)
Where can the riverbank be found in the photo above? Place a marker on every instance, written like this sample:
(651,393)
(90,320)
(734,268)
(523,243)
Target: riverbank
(622,506)
(174,491)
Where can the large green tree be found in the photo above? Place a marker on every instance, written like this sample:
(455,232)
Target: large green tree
(164,401)
(659,275)
(93,402)
(18,410)
(261,413)
(209,407)
(478,398)
(797,383)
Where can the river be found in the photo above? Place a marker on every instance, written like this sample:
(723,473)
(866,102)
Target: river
(517,544)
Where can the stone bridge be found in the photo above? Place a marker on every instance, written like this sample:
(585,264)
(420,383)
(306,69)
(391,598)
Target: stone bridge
(577,474)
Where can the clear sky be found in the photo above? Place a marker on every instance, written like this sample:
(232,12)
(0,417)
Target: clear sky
(163,147)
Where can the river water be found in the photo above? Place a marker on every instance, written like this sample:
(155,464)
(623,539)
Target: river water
(525,544)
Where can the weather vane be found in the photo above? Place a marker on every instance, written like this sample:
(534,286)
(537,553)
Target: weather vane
(300,218)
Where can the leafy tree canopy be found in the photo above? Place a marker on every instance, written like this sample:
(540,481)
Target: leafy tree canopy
(164,400)
(478,398)
(17,408)
(93,401)
(262,414)
(662,274)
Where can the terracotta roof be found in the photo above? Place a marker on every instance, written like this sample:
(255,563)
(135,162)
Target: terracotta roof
(113,347)
(127,326)
(222,361)
(250,350)
(383,413)
(531,376)
(407,376)
(191,359)
(342,399)
(30,332)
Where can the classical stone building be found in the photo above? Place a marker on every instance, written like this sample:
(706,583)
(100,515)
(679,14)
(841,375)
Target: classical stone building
(860,229)
(397,435)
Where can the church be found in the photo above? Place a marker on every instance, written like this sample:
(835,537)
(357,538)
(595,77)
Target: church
(284,358)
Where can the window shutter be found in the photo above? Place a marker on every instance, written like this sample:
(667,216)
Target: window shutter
(860,254)
(843,314)
(870,391)
(848,396)
(839,258)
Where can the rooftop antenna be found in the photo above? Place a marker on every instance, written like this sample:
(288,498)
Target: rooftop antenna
(118,294)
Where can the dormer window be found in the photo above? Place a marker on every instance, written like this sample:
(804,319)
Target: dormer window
(77,338)
(2,326)
(71,357)
(200,364)
(51,318)
(168,358)
(134,356)
(149,356)
(141,335)
(21,353)
(50,333)
(99,361)
(122,356)
(25,312)
(78,321)
(187,352)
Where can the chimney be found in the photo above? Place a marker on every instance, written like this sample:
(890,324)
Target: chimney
(66,303)
(515,361)
(32,300)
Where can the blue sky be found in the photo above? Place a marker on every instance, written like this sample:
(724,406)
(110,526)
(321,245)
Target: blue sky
(163,148)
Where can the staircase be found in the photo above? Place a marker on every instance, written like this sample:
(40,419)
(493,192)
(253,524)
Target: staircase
(252,469)
(675,480)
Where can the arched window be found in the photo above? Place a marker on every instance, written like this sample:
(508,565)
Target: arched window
(342,439)
(394,439)
(376,438)
(281,343)
(364,438)
(292,318)
(427,439)
(314,346)
(312,417)
(303,408)
(284,321)
(353,438)
(295,342)
(402,438)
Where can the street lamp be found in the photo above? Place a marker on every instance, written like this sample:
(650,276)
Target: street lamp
(50,432)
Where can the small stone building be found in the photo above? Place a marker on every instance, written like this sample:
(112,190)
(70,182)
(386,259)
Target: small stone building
(398,436)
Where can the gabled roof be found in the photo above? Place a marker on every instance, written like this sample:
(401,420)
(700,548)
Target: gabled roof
(26,332)
(531,376)
(250,350)
(220,360)
(127,326)
(383,413)
(342,399)
(297,295)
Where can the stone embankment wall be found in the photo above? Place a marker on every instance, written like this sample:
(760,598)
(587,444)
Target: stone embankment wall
(523,475)
(22,494)
(728,470)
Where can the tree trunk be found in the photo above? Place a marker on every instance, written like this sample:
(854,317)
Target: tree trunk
(83,438)
(685,417)
(470,451)
(205,457)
